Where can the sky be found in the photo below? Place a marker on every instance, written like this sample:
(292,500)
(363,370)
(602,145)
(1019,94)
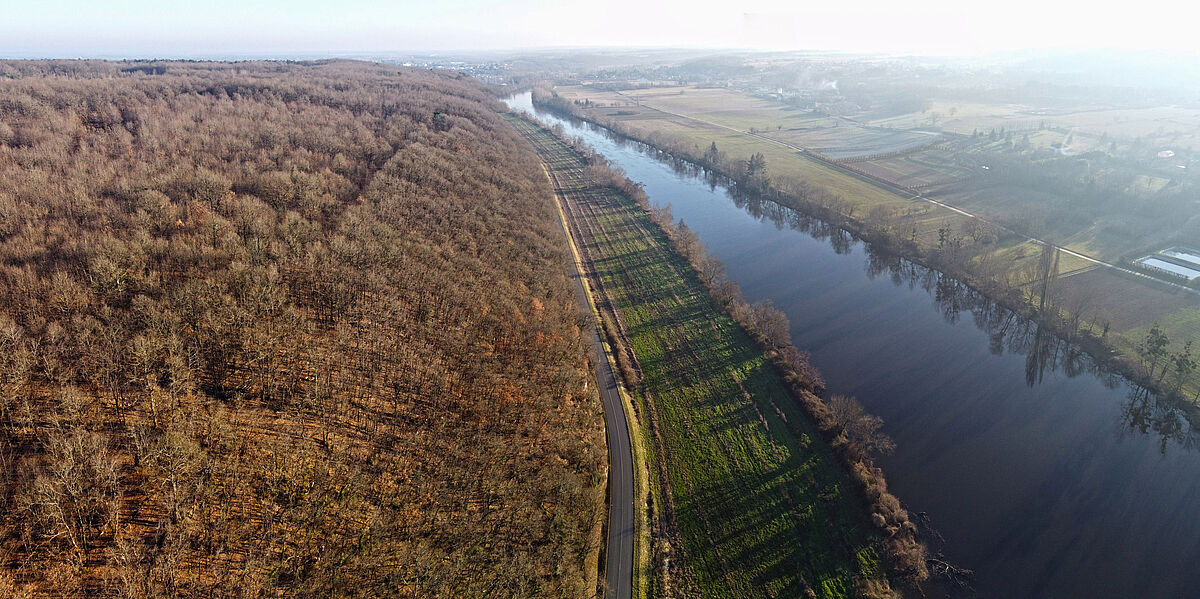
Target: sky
(188,28)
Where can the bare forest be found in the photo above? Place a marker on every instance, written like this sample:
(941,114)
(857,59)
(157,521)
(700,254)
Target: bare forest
(284,329)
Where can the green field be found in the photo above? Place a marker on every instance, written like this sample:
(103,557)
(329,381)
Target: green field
(761,506)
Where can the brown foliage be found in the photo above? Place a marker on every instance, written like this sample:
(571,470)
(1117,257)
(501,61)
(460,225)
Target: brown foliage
(298,329)
(860,427)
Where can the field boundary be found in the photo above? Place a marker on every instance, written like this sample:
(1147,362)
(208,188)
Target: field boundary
(904,190)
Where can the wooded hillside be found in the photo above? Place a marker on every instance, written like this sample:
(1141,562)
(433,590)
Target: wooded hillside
(284,329)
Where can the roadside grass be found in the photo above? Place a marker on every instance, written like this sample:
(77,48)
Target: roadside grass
(642,575)
(645,485)
(732,466)
(761,505)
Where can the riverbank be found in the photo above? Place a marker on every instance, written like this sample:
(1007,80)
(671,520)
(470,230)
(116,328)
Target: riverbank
(760,499)
(1023,455)
(980,257)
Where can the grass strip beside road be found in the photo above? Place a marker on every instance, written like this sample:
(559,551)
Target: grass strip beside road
(759,504)
(641,570)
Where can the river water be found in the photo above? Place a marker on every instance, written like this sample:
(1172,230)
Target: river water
(1043,475)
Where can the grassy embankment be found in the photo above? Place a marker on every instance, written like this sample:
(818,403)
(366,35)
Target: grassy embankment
(642,544)
(740,478)
(1115,311)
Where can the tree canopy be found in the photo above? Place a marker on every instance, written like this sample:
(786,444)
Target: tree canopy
(298,329)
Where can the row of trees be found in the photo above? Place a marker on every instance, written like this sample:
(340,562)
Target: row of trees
(298,329)
(975,251)
(854,434)
(1158,359)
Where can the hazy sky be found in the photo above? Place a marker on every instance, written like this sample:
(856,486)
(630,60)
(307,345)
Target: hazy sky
(133,28)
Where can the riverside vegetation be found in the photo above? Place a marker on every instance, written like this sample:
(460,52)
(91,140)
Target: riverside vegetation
(999,263)
(758,488)
(284,329)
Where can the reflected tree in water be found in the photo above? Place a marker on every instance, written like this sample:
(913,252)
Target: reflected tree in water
(1146,413)
(1045,352)
(1042,354)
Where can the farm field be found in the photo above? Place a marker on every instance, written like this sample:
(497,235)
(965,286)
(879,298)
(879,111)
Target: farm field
(920,169)
(788,167)
(841,138)
(722,106)
(950,172)
(761,505)
(966,117)
(585,92)
(784,164)
(832,136)
(1081,129)
(1039,214)
(1169,125)
(1069,141)
(1131,306)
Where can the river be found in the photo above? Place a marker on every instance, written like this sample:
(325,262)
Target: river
(1044,475)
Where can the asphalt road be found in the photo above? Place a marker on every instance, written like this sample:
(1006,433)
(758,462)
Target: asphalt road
(618,569)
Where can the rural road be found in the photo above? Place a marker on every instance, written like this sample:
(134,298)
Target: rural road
(923,198)
(618,569)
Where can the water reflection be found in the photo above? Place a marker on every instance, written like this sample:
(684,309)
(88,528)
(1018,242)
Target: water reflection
(1046,483)
(1143,413)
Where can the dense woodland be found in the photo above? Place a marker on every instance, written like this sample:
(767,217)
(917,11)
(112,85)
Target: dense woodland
(284,329)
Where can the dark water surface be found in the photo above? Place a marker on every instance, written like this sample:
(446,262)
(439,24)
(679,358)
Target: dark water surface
(1045,476)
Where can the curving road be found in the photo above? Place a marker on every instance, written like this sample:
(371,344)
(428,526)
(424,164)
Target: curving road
(618,568)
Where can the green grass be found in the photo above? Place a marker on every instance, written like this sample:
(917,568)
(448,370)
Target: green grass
(763,508)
